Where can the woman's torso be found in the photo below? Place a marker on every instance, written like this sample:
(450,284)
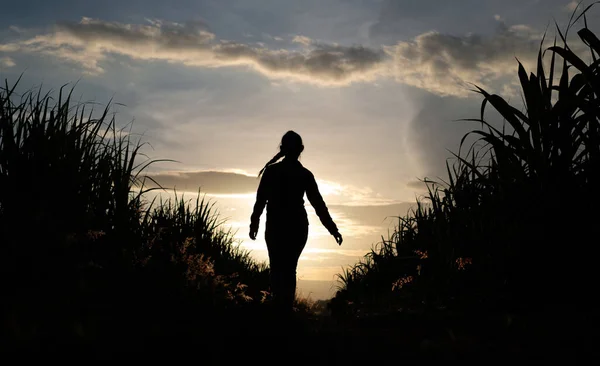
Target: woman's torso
(285,194)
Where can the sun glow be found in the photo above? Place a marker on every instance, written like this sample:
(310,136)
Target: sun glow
(330,188)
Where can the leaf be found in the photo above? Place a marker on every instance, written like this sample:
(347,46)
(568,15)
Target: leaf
(572,58)
(507,111)
(585,11)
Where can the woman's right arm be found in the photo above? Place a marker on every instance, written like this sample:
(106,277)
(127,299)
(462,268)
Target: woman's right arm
(259,205)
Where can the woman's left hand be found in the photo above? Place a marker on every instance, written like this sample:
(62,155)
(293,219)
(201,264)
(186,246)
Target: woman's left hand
(338,238)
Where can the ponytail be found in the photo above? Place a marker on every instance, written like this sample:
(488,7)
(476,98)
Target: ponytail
(290,147)
(279,155)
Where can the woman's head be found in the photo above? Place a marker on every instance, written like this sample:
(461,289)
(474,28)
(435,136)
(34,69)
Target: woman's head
(291,147)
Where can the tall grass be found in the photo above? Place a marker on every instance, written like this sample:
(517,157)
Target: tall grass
(175,224)
(514,225)
(82,252)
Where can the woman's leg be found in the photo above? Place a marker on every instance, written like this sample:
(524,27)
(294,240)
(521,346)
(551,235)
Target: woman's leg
(294,247)
(285,248)
(275,244)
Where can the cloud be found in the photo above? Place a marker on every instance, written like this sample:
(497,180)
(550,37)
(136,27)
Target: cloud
(571,6)
(417,185)
(444,64)
(378,217)
(7,62)
(434,131)
(212,182)
(239,183)
(16,29)
(91,42)
(439,63)
(349,195)
(302,40)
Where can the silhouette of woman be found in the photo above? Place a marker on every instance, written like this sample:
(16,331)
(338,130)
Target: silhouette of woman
(282,189)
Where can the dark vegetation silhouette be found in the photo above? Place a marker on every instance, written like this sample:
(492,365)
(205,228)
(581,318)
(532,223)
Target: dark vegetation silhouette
(499,261)
(84,257)
(510,230)
(282,189)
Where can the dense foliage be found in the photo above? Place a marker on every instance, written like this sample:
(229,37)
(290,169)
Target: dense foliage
(83,254)
(514,224)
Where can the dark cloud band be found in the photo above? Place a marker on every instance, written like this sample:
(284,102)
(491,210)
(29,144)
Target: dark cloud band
(211,182)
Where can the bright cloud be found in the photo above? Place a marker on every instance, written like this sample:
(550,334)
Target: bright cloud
(239,184)
(337,193)
(571,6)
(302,40)
(7,62)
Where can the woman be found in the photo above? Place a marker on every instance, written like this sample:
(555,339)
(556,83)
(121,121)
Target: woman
(282,189)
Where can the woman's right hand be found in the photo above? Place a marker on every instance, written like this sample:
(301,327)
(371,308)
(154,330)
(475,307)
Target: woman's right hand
(338,238)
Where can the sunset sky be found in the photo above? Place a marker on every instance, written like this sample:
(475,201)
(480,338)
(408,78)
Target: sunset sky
(372,86)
